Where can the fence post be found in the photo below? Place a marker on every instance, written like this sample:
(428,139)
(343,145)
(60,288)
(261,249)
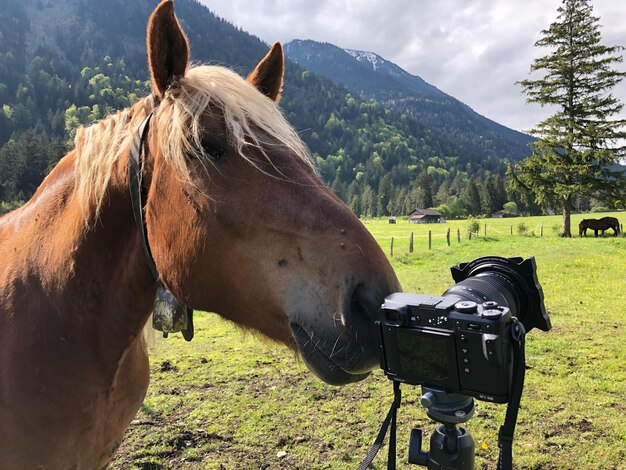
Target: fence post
(511,229)
(458,235)
(541,230)
(391,247)
(485,230)
(469,234)
(430,239)
(448,236)
(411,243)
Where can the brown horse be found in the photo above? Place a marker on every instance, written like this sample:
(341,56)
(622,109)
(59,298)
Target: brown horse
(238,223)
(602,224)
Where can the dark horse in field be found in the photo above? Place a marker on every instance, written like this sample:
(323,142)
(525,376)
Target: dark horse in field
(602,224)
(238,222)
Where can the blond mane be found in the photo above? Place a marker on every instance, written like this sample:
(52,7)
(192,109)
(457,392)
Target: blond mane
(249,116)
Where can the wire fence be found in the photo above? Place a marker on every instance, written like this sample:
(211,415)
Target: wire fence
(410,241)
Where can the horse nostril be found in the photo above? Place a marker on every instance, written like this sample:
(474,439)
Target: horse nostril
(364,304)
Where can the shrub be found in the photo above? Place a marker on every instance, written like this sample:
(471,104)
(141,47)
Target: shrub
(473,225)
(522,229)
(511,207)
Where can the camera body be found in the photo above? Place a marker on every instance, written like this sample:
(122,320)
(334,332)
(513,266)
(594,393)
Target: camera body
(460,342)
(447,342)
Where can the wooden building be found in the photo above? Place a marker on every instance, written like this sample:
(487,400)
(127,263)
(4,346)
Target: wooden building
(426,216)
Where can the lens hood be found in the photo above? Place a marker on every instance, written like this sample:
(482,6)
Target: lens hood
(521,275)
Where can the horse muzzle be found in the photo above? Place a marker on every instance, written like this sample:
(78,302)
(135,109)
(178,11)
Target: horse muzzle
(333,368)
(345,350)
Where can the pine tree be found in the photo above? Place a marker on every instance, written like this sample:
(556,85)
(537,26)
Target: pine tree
(471,198)
(488,197)
(501,197)
(577,145)
(443,193)
(368,202)
(385,195)
(423,182)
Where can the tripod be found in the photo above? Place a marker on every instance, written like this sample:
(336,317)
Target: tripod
(451,447)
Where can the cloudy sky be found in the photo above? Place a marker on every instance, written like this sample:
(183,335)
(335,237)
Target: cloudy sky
(474,50)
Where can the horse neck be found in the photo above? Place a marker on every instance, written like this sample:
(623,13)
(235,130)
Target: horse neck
(95,276)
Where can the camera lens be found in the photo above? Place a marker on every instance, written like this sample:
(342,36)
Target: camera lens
(488,287)
(509,282)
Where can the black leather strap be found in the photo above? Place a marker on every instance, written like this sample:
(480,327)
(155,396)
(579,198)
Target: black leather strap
(378,443)
(137,190)
(505,436)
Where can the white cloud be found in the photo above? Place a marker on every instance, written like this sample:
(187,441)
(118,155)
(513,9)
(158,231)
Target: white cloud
(474,50)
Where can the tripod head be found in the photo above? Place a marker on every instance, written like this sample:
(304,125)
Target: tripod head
(447,408)
(450,447)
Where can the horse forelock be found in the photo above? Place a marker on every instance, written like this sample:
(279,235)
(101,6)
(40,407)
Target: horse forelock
(249,116)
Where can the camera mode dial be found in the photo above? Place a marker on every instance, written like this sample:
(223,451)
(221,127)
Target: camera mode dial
(466,306)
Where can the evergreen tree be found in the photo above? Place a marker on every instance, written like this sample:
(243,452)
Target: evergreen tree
(500,198)
(24,161)
(458,185)
(399,206)
(471,198)
(368,202)
(443,194)
(384,195)
(488,197)
(338,187)
(423,182)
(577,145)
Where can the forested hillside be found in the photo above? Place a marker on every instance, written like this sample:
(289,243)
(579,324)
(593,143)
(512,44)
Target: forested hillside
(373,77)
(69,63)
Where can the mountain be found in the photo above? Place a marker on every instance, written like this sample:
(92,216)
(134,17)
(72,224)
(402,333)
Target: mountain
(373,77)
(364,73)
(69,63)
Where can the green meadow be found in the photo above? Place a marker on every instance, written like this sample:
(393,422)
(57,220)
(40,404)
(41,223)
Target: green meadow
(232,400)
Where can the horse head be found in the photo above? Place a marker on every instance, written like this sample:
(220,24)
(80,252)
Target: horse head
(238,221)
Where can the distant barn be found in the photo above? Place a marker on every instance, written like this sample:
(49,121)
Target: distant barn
(501,214)
(426,216)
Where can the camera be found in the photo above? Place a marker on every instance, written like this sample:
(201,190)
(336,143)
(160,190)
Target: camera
(468,342)
(460,342)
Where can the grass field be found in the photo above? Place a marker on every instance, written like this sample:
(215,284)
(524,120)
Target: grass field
(229,400)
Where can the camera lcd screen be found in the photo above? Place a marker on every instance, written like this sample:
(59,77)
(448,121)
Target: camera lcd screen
(426,358)
(420,356)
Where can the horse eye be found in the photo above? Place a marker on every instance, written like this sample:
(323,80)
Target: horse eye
(215,152)
(213,149)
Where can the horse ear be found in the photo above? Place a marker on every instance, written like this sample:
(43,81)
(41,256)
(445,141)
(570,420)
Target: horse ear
(168,49)
(268,74)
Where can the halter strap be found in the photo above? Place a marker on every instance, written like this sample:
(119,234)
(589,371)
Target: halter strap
(138,192)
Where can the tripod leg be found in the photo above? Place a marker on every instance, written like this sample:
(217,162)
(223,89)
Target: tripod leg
(416,454)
